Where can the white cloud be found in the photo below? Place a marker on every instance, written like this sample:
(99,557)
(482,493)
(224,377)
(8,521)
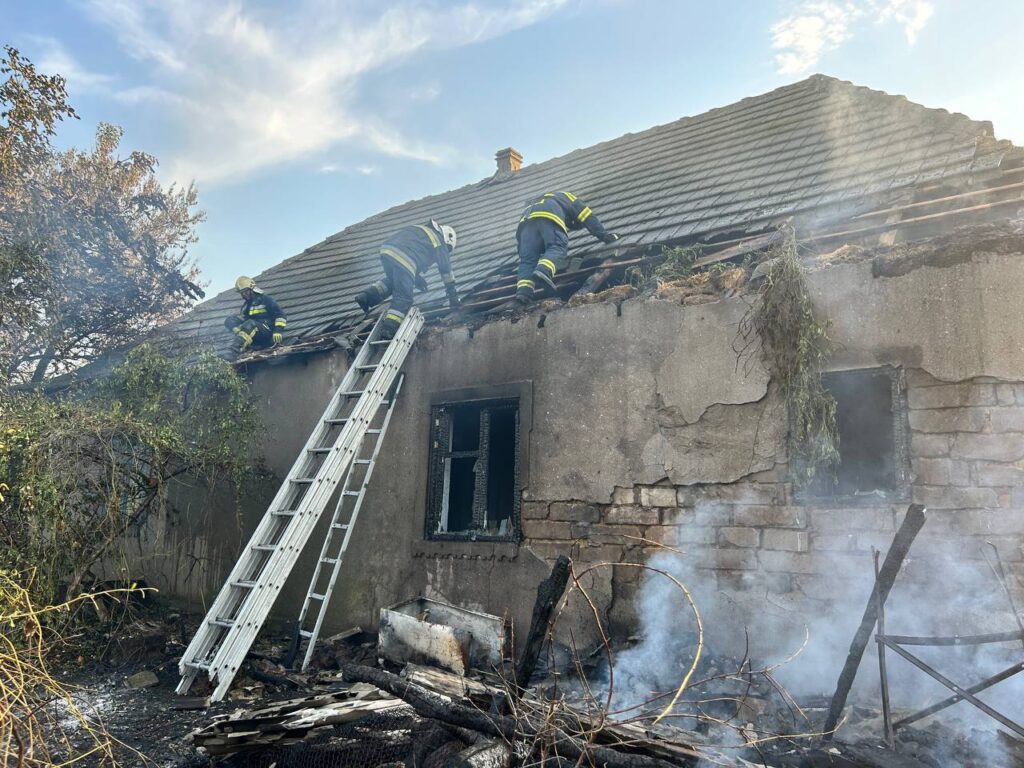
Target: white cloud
(52,57)
(362,170)
(912,15)
(256,88)
(816,28)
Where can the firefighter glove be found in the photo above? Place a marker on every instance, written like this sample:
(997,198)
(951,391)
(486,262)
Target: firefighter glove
(421,284)
(278,337)
(611,237)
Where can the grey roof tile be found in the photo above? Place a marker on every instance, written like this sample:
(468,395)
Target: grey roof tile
(819,142)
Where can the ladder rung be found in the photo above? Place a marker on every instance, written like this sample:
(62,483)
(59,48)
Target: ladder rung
(242,606)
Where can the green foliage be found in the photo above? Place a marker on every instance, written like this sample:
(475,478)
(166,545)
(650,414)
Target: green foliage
(676,263)
(793,345)
(93,250)
(78,473)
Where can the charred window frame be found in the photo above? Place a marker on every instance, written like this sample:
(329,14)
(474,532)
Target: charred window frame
(474,471)
(874,439)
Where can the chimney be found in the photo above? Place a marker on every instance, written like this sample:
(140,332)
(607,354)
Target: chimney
(509,161)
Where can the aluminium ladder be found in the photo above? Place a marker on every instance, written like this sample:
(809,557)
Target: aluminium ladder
(237,614)
(336,541)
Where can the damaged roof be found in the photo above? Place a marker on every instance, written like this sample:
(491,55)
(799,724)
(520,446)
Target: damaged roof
(821,149)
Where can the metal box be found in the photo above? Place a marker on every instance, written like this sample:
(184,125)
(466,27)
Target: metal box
(425,631)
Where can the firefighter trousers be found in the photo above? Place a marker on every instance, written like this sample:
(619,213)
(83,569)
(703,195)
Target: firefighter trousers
(543,248)
(398,283)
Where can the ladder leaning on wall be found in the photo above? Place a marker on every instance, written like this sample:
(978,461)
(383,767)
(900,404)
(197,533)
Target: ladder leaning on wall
(364,398)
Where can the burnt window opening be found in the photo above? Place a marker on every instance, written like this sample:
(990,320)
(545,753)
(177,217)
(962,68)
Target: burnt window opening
(871,419)
(474,471)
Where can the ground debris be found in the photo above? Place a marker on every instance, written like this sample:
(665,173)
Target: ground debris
(616,294)
(144,679)
(292,721)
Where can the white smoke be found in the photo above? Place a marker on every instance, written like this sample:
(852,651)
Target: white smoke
(932,597)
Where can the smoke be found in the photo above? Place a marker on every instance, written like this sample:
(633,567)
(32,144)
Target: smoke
(751,613)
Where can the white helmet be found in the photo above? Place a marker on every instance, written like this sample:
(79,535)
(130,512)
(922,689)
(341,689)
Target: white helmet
(447,233)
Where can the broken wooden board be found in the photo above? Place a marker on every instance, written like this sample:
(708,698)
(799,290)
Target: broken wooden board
(742,248)
(291,721)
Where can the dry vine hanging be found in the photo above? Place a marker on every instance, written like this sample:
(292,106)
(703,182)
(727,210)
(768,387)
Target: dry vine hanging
(792,343)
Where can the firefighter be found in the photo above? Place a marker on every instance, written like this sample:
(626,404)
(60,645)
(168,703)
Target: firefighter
(261,322)
(542,240)
(405,255)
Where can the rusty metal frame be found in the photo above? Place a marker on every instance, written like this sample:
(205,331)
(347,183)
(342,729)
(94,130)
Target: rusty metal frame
(895,643)
(960,693)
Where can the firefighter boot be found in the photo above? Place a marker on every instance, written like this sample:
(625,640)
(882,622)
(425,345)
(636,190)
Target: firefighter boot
(545,285)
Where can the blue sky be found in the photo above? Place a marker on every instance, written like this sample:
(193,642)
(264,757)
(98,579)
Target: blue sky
(296,119)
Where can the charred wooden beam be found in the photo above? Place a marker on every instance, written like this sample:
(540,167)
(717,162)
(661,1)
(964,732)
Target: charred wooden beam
(549,592)
(435,707)
(905,536)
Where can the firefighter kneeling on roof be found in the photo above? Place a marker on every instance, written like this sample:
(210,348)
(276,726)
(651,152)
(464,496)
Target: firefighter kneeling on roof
(542,240)
(261,322)
(408,252)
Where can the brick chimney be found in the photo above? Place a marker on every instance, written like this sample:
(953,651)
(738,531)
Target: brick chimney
(509,161)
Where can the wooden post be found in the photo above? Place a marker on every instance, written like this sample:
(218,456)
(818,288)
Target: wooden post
(549,592)
(905,536)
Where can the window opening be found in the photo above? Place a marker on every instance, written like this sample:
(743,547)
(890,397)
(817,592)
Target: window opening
(870,416)
(474,471)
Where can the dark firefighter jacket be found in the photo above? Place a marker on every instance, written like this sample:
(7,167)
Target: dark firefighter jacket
(265,311)
(567,211)
(416,247)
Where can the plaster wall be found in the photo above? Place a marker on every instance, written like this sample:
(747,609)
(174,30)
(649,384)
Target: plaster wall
(643,423)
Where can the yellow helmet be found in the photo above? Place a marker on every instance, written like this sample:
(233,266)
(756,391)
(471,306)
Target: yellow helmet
(246,282)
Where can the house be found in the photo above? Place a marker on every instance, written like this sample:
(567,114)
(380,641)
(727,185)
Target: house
(605,428)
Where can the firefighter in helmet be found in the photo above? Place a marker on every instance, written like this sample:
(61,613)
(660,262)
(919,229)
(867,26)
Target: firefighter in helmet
(542,240)
(260,324)
(405,255)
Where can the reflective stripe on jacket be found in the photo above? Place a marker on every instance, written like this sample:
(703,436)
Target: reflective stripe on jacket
(567,211)
(263,309)
(416,248)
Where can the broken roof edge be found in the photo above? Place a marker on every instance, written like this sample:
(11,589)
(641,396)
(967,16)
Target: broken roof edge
(888,261)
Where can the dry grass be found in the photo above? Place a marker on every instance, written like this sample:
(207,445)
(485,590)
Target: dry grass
(40,722)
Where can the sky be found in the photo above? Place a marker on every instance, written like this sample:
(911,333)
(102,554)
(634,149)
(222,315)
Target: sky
(295,119)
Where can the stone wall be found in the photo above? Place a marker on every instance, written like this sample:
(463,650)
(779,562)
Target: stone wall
(741,542)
